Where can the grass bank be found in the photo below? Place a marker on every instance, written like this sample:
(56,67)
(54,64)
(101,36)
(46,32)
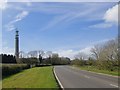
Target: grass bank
(38,77)
(94,69)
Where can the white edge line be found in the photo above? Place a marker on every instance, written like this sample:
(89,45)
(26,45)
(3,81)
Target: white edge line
(114,85)
(58,80)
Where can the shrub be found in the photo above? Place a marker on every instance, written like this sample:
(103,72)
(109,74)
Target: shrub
(7,59)
(9,69)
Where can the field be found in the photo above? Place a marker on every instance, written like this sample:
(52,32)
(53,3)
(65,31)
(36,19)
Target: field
(38,77)
(94,69)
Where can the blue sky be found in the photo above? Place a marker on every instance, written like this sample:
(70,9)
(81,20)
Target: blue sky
(64,28)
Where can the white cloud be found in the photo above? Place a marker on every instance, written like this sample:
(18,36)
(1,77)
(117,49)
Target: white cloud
(67,16)
(55,21)
(111,15)
(71,53)
(21,16)
(110,18)
(7,50)
(67,53)
(80,14)
(10,26)
(101,25)
(86,50)
(65,13)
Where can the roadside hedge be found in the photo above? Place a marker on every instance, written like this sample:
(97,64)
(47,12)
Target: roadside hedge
(9,69)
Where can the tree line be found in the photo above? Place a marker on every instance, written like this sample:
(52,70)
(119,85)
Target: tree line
(36,58)
(54,59)
(7,58)
(103,56)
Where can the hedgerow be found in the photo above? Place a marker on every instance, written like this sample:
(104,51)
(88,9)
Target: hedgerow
(9,69)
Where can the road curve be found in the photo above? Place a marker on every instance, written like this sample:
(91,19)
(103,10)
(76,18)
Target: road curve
(75,78)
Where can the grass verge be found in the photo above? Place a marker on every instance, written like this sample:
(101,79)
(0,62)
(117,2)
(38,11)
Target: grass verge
(94,69)
(39,77)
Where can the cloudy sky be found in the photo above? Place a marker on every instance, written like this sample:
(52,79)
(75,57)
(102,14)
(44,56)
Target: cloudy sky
(61,27)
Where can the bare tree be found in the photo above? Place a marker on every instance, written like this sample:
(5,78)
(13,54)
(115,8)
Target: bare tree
(55,55)
(41,53)
(32,54)
(106,54)
(49,53)
(96,50)
(111,50)
(21,54)
(106,51)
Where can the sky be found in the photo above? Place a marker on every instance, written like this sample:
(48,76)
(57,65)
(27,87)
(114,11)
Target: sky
(66,28)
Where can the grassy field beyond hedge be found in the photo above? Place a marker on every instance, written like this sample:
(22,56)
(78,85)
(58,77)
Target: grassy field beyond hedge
(39,77)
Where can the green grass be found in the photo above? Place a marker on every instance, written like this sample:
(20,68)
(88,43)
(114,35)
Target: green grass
(94,69)
(39,77)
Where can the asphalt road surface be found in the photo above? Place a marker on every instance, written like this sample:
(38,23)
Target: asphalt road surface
(71,77)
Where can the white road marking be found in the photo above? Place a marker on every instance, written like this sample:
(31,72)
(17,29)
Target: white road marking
(114,85)
(58,80)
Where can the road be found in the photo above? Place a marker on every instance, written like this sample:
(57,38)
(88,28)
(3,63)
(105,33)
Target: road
(71,77)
